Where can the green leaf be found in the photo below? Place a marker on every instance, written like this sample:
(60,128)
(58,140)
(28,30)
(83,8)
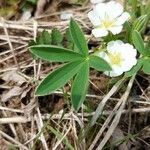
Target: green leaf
(69,42)
(68,35)
(56,37)
(146,66)
(128,30)
(79,87)
(138,42)
(58,78)
(32,43)
(98,63)
(135,68)
(148,8)
(43,38)
(78,37)
(46,37)
(127,26)
(55,53)
(140,23)
(147,49)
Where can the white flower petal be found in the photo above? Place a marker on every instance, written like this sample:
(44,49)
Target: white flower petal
(128,64)
(128,48)
(114,9)
(99,32)
(108,16)
(120,56)
(114,46)
(116,71)
(115,29)
(103,55)
(121,20)
(100,10)
(94,18)
(96,1)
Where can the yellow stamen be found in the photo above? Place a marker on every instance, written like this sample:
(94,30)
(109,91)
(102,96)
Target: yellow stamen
(107,23)
(115,58)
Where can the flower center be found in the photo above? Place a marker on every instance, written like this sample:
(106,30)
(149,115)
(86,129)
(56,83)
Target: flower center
(115,58)
(107,23)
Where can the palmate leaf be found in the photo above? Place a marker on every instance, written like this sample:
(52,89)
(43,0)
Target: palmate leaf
(78,64)
(98,63)
(55,53)
(78,37)
(79,87)
(58,78)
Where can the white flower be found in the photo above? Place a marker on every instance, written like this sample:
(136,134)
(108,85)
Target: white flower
(121,57)
(107,17)
(96,1)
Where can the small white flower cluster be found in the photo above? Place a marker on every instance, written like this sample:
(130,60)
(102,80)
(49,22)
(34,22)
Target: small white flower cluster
(121,57)
(109,17)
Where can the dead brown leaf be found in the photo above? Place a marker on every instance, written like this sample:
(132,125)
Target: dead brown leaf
(15,91)
(13,76)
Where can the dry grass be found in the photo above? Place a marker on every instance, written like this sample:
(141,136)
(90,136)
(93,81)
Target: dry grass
(28,122)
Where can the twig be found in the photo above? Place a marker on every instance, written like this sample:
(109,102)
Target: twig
(40,125)
(13,140)
(11,109)
(10,45)
(40,7)
(5,114)
(15,54)
(8,51)
(22,119)
(105,125)
(59,142)
(103,102)
(118,115)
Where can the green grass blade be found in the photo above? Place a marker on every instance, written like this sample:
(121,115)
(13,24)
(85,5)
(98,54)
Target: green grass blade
(98,63)
(58,78)
(79,87)
(59,136)
(78,37)
(55,53)
(140,23)
(138,42)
